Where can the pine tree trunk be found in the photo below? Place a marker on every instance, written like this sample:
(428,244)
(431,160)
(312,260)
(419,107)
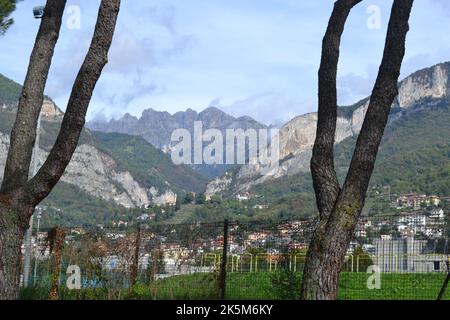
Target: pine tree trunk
(19,194)
(12,232)
(326,254)
(320,279)
(340,208)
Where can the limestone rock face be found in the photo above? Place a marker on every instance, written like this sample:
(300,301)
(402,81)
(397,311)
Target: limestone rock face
(166,198)
(4,144)
(96,173)
(427,83)
(51,112)
(135,192)
(296,138)
(297,135)
(217,185)
(156,126)
(358,118)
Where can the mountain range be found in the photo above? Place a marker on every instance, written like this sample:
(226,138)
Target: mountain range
(414,154)
(108,171)
(124,164)
(156,127)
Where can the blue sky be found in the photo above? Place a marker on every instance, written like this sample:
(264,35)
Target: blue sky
(248,57)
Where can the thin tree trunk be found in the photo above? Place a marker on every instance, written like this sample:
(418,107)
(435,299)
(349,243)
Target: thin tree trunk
(326,254)
(23,134)
(57,236)
(340,208)
(11,237)
(27,194)
(134,269)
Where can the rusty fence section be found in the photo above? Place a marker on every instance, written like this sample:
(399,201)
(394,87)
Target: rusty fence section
(391,257)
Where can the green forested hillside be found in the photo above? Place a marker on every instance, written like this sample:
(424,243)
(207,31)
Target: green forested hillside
(149,165)
(414,157)
(415,152)
(71,206)
(9,91)
(67,205)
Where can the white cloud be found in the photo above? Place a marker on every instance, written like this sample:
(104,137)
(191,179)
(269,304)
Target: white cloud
(353,87)
(267,108)
(170,55)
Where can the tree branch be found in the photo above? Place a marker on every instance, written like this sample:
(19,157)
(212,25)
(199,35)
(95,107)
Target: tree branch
(383,95)
(74,119)
(23,135)
(332,236)
(325,181)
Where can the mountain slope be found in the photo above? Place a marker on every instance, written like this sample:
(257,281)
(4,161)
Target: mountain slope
(70,206)
(95,170)
(156,127)
(150,166)
(422,90)
(9,91)
(414,157)
(415,152)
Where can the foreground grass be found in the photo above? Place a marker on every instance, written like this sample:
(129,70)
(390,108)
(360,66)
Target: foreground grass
(259,286)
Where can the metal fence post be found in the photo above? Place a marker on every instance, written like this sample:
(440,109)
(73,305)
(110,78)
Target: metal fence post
(56,237)
(223,266)
(445,284)
(134,270)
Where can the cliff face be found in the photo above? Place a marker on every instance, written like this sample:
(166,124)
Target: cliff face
(90,169)
(156,127)
(296,138)
(96,173)
(50,112)
(426,83)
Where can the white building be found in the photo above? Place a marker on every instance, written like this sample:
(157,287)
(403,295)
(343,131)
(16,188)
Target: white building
(437,214)
(409,255)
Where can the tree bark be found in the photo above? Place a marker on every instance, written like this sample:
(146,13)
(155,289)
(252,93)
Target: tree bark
(340,208)
(23,134)
(53,168)
(11,237)
(325,181)
(134,268)
(13,224)
(57,237)
(18,195)
(15,214)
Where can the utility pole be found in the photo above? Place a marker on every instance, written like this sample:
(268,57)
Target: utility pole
(38,12)
(36,258)
(134,270)
(223,266)
(28,235)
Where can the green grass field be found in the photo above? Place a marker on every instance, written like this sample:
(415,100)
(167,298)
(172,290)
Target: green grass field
(260,286)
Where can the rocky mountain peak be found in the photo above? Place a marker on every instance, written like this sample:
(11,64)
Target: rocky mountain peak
(297,137)
(130,117)
(50,111)
(96,168)
(157,126)
(152,114)
(212,111)
(215,118)
(426,83)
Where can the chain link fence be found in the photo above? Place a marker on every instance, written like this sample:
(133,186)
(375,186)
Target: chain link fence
(391,257)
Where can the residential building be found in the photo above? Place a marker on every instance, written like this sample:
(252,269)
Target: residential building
(410,255)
